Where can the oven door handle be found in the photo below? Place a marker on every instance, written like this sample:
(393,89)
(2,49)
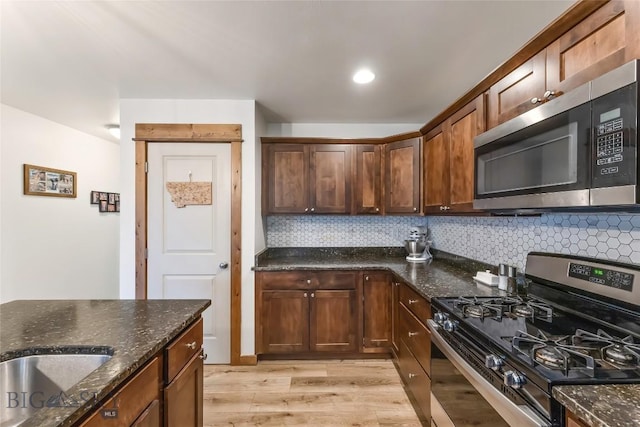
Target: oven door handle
(515,415)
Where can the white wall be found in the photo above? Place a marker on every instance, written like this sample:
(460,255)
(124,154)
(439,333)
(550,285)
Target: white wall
(53,247)
(134,111)
(340,130)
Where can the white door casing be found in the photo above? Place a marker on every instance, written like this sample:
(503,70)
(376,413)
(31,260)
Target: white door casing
(188,247)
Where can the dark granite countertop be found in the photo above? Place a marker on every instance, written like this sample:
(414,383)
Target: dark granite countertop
(133,330)
(443,276)
(602,405)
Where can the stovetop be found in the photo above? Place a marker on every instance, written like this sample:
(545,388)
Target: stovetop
(557,345)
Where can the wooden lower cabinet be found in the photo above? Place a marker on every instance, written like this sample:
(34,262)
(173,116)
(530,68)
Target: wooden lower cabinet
(572,420)
(412,347)
(166,391)
(376,307)
(183,397)
(306,312)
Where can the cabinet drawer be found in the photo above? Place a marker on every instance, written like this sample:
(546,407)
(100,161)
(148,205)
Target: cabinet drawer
(129,402)
(416,303)
(337,280)
(417,337)
(183,348)
(294,280)
(417,381)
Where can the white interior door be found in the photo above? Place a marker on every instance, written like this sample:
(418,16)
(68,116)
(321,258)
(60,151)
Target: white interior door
(189,247)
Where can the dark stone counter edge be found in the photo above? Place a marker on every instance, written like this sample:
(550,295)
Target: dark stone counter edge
(114,382)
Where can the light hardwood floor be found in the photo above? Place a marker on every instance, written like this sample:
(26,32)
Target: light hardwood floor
(307,393)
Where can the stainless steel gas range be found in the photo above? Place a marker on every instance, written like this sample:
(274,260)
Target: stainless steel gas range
(579,323)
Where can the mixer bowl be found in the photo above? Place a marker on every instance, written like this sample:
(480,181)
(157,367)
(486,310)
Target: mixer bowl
(415,247)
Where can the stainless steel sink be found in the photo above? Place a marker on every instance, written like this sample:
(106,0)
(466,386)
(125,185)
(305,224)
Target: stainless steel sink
(30,383)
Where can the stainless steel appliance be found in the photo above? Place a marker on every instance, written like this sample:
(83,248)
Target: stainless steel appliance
(578,324)
(577,150)
(417,245)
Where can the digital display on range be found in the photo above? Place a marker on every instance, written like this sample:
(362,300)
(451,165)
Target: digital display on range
(602,276)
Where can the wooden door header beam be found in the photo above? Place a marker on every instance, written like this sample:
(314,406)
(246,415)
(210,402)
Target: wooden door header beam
(165,132)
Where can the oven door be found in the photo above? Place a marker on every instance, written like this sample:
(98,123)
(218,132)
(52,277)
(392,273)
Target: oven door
(461,396)
(538,160)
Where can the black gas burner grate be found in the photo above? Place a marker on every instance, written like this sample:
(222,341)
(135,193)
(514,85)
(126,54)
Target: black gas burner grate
(621,352)
(497,307)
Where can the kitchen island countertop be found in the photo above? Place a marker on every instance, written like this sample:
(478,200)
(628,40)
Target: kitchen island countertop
(133,331)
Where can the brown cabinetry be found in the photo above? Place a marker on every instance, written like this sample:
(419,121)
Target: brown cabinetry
(402,176)
(599,43)
(306,178)
(306,311)
(572,420)
(367,183)
(412,347)
(376,307)
(448,161)
(183,396)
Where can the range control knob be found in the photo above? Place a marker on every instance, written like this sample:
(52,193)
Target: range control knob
(494,362)
(449,325)
(440,318)
(514,379)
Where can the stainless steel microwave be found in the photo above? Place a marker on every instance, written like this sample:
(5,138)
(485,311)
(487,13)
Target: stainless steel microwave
(577,150)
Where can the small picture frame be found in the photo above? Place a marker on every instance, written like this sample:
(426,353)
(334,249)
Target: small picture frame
(95,197)
(104,196)
(44,181)
(103,206)
(112,198)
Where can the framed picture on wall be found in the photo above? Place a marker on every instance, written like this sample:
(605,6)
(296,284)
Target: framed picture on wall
(103,206)
(95,197)
(43,181)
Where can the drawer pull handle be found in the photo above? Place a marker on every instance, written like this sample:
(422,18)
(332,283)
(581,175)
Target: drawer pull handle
(412,334)
(411,376)
(191,345)
(413,301)
(203,356)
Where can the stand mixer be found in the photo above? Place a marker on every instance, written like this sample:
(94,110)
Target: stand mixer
(417,244)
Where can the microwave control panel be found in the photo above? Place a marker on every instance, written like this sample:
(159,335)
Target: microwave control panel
(613,128)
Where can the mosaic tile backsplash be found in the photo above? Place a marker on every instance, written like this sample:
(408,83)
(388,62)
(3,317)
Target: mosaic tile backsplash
(492,240)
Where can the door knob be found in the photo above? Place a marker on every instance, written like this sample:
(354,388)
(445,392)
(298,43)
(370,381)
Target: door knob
(224,265)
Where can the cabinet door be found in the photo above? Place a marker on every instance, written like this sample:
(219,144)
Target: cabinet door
(330,179)
(436,171)
(511,96)
(285,321)
(333,321)
(183,397)
(463,127)
(596,45)
(367,183)
(286,176)
(395,319)
(150,417)
(376,301)
(402,176)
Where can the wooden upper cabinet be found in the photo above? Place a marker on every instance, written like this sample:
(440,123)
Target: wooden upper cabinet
(449,161)
(512,95)
(604,40)
(330,179)
(285,178)
(367,191)
(306,178)
(402,176)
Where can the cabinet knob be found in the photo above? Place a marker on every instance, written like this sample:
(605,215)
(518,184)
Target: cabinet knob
(413,301)
(313,295)
(536,100)
(377,209)
(203,356)
(549,94)
(308,281)
(306,209)
(441,208)
(366,277)
(446,208)
(304,295)
(192,345)
(412,334)
(411,376)
(313,209)
(415,209)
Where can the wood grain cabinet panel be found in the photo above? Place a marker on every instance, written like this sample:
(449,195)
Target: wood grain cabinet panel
(402,176)
(330,179)
(376,302)
(285,177)
(150,417)
(367,184)
(395,318)
(284,321)
(333,321)
(572,420)
(183,397)
(449,161)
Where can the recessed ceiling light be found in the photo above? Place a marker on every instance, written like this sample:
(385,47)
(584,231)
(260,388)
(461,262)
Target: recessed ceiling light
(363,76)
(114,130)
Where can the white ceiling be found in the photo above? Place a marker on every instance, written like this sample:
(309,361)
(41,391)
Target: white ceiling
(71,61)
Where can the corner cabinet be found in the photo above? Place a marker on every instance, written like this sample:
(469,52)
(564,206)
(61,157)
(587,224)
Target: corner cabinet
(306,178)
(402,176)
(449,162)
(604,40)
(306,312)
(367,185)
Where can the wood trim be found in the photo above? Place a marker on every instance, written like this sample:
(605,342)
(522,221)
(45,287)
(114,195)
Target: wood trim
(188,133)
(141,219)
(318,140)
(249,360)
(236,251)
(555,29)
